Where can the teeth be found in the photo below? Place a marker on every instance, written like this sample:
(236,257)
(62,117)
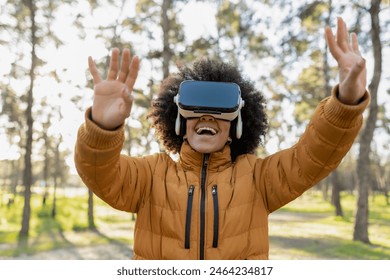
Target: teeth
(208,129)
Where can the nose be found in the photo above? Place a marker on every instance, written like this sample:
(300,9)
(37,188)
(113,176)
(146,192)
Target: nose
(207,118)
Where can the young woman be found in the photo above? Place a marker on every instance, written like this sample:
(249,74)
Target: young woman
(214,201)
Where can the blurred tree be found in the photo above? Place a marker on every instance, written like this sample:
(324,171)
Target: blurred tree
(155,29)
(59,171)
(381,176)
(46,157)
(299,50)
(303,35)
(360,232)
(28,26)
(110,35)
(30,8)
(303,48)
(337,187)
(157,20)
(77,100)
(239,37)
(300,46)
(13,128)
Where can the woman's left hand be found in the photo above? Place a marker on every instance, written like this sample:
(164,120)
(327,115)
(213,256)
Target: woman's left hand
(352,66)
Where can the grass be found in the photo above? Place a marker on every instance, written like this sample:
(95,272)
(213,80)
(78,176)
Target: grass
(68,229)
(311,231)
(304,229)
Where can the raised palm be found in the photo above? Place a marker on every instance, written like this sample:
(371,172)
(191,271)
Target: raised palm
(352,67)
(112,97)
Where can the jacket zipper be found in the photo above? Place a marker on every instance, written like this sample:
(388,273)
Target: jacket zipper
(203,205)
(216,216)
(188,217)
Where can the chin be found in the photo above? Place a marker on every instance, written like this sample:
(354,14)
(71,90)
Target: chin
(206,145)
(206,150)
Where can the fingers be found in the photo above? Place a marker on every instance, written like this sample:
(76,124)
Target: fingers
(133,72)
(342,35)
(342,44)
(128,71)
(355,44)
(124,65)
(93,70)
(333,47)
(114,65)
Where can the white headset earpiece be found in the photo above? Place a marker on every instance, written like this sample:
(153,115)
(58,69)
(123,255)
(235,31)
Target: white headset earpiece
(239,126)
(239,121)
(177,123)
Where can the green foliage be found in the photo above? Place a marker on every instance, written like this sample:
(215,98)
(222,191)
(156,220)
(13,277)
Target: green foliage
(238,32)
(312,15)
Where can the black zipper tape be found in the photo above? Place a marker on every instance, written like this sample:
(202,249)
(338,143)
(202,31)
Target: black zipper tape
(203,206)
(188,217)
(216,215)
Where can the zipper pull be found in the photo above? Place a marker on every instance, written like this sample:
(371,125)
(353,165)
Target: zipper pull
(206,160)
(191,190)
(214,190)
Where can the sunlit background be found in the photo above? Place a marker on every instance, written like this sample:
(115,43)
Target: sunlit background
(69,61)
(278,44)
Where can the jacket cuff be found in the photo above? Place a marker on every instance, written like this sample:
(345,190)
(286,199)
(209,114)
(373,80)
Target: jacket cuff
(343,115)
(96,137)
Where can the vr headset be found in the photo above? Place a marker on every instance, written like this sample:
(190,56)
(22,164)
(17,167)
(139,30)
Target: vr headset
(218,99)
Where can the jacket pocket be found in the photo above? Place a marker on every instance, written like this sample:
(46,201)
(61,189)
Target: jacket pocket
(214,193)
(188,217)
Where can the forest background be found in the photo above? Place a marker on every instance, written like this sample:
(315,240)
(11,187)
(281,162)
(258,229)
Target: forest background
(45,90)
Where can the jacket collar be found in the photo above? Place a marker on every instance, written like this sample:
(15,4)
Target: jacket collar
(192,160)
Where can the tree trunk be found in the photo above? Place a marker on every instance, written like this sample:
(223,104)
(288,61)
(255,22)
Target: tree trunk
(326,70)
(91,218)
(360,232)
(57,176)
(336,201)
(14,181)
(54,207)
(167,52)
(27,176)
(324,188)
(46,171)
(327,90)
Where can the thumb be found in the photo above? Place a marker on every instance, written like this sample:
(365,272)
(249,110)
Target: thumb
(125,107)
(356,70)
(127,95)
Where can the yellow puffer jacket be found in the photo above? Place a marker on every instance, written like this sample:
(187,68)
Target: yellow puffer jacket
(205,206)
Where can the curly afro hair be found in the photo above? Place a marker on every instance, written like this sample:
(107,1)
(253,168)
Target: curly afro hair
(164,110)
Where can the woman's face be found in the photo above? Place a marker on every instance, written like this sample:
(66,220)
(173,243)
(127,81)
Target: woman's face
(207,134)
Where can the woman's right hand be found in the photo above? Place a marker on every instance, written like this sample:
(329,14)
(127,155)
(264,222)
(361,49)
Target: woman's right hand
(112,96)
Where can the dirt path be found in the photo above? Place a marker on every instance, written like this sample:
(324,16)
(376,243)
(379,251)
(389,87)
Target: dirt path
(97,252)
(120,251)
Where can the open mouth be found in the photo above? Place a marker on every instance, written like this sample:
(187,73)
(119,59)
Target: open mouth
(206,131)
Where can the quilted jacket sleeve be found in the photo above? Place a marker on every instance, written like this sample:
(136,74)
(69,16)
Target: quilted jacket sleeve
(119,180)
(330,134)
